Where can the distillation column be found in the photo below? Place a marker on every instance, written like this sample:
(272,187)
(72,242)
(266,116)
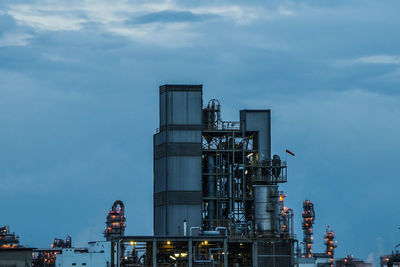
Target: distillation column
(307,225)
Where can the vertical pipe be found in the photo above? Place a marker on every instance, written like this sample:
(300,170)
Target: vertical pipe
(154,253)
(211,187)
(184,227)
(112,254)
(230,191)
(190,256)
(255,253)
(291,222)
(225,252)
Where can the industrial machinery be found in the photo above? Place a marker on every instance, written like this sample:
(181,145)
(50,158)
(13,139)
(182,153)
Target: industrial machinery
(216,193)
(330,243)
(286,216)
(60,243)
(391,260)
(47,257)
(307,226)
(8,239)
(350,261)
(116,221)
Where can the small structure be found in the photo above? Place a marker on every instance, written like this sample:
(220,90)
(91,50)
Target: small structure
(116,221)
(11,252)
(8,239)
(307,226)
(330,244)
(98,255)
(391,260)
(350,261)
(46,257)
(316,260)
(16,257)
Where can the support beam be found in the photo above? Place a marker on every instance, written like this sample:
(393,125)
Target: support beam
(190,256)
(154,253)
(225,252)
(255,253)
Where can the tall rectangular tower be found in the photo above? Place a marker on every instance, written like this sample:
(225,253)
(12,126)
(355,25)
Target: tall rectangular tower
(177,160)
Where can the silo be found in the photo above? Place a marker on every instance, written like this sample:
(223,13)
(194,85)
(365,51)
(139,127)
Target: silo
(177,160)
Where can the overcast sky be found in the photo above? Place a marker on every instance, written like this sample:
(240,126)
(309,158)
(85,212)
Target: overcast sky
(79,105)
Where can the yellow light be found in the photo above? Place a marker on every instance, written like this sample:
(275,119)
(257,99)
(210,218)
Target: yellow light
(168,242)
(133,243)
(205,242)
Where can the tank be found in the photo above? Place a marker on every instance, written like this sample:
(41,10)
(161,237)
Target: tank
(266,209)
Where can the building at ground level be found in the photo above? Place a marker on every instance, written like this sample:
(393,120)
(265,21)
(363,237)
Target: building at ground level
(15,257)
(97,255)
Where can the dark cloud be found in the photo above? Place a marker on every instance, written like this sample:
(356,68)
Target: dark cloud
(170,16)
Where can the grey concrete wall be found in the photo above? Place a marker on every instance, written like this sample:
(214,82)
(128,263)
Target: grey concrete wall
(15,258)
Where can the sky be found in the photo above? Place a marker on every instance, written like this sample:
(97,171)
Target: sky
(79,105)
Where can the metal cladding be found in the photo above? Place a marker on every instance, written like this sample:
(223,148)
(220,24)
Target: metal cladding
(330,243)
(177,160)
(259,122)
(115,221)
(266,213)
(307,225)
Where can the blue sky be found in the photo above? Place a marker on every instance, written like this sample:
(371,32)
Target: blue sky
(79,104)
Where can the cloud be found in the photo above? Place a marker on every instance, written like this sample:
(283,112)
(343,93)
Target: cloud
(135,20)
(374,59)
(169,16)
(15,39)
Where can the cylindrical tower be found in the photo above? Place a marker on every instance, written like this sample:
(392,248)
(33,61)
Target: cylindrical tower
(307,225)
(266,209)
(115,221)
(330,243)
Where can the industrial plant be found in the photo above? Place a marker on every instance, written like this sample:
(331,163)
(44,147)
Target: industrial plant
(217,200)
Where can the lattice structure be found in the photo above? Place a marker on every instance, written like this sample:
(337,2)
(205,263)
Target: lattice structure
(115,221)
(307,226)
(330,243)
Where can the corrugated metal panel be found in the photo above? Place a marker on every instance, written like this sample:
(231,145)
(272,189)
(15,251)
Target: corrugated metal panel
(177,159)
(258,121)
(184,173)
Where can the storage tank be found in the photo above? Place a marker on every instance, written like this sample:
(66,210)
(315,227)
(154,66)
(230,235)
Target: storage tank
(266,209)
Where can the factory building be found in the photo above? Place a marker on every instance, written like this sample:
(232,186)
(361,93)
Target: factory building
(12,254)
(350,261)
(16,257)
(216,189)
(98,255)
(316,260)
